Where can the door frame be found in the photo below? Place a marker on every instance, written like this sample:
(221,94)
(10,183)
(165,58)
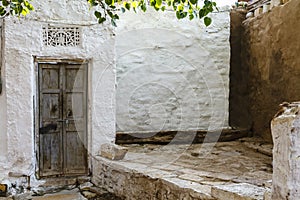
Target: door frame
(53,60)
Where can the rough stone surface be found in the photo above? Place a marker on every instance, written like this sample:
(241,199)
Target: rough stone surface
(85,186)
(172,74)
(258,144)
(88,194)
(63,195)
(112,151)
(286,153)
(270,55)
(242,191)
(22,40)
(182,171)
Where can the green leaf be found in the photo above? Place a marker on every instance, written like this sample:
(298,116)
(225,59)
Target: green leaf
(181,14)
(143,7)
(98,14)
(92,2)
(25,11)
(110,14)
(113,22)
(158,3)
(178,15)
(207,21)
(108,2)
(202,13)
(127,6)
(123,9)
(5,3)
(194,2)
(101,20)
(191,16)
(180,7)
(2,11)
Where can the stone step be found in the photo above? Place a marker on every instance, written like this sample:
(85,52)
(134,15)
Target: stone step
(241,191)
(137,181)
(62,195)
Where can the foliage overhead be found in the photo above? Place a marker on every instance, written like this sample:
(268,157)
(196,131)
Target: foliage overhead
(109,9)
(15,7)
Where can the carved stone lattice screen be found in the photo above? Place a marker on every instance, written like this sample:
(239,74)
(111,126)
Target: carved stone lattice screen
(61,36)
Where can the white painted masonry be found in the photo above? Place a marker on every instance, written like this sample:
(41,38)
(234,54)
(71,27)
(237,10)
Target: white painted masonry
(21,42)
(286,153)
(172,74)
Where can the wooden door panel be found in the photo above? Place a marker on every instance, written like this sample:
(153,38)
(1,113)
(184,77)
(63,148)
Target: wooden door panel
(50,106)
(51,148)
(76,153)
(75,78)
(75,105)
(50,77)
(75,113)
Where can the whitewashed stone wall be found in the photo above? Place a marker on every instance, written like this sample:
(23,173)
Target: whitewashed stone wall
(286,153)
(3,135)
(172,74)
(175,76)
(23,41)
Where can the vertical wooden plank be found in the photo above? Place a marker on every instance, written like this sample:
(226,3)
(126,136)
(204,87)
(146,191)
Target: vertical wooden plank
(50,160)
(75,113)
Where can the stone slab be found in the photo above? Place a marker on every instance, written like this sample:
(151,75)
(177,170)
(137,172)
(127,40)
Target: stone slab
(112,151)
(63,195)
(170,172)
(241,191)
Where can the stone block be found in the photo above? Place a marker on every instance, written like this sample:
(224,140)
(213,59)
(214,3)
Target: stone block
(242,191)
(258,11)
(268,195)
(276,3)
(112,151)
(286,152)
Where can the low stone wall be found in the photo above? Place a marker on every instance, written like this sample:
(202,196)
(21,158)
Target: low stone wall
(134,185)
(231,170)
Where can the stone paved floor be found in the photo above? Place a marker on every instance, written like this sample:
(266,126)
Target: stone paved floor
(239,169)
(208,164)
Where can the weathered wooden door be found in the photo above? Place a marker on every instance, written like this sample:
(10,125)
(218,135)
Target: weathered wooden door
(62,119)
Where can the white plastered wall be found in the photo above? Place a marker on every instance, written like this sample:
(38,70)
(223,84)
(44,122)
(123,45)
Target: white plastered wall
(3,136)
(172,74)
(23,41)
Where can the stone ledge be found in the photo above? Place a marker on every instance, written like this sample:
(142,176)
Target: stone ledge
(242,191)
(134,182)
(138,181)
